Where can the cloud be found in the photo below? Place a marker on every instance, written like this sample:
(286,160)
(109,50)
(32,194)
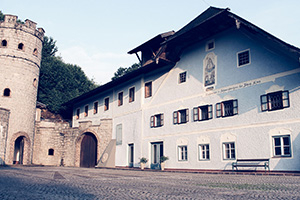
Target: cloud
(99,66)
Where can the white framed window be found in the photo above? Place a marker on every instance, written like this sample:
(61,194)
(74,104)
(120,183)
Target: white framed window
(202,113)
(106,104)
(157,120)
(148,89)
(182,77)
(281,146)
(119,134)
(95,107)
(86,110)
(227,108)
(243,58)
(120,98)
(77,113)
(275,101)
(131,94)
(229,151)
(182,153)
(181,116)
(203,152)
(210,45)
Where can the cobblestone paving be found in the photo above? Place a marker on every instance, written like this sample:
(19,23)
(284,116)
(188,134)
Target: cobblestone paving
(81,183)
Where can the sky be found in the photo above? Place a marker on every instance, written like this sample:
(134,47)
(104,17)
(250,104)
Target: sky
(96,34)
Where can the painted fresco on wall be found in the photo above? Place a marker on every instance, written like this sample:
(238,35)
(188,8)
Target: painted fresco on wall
(210,70)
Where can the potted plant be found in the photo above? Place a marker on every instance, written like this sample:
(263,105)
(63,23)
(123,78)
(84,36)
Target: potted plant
(162,162)
(143,161)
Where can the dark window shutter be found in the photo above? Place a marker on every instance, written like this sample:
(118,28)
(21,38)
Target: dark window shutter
(195,114)
(218,110)
(264,102)
(175,117)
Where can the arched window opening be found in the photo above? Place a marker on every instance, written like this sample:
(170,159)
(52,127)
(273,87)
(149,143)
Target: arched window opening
(6,92)
(4,43)
(35,82)
(21,46)
(35,52)
(51,152)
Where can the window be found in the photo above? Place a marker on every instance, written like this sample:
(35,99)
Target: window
(157,120)
(203,151)
(182,153)
(148,89)
(51,152)
(182,77)
(119,134)
(106,103)
(35,82)
(3,43)
(227,108)
(77,113)
(275,101)
(202,113)
(131,94)
(282,146)
(21,46)
(86,110)
(181,116)
(210,45)
(229,151)
(35,52)
(244,58)
(120,98)
(96,107)
(6,92)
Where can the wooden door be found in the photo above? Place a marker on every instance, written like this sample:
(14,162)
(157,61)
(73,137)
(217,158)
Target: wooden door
(88,151)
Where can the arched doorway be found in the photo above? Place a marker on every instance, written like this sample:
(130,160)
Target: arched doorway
(88,151)
(19,150)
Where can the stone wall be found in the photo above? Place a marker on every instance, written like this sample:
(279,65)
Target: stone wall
(66,141)
(4,119)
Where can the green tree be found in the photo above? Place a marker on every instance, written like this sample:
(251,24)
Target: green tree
(60,82)
(1,16)
(122,71)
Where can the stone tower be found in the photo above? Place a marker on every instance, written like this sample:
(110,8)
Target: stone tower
(20,58)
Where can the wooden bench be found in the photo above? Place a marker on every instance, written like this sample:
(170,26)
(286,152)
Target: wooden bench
(251,163)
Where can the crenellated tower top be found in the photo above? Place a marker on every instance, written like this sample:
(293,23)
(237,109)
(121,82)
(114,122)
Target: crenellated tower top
(11,21)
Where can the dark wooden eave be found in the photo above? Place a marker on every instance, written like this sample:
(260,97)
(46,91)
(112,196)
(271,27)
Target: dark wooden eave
(216,20)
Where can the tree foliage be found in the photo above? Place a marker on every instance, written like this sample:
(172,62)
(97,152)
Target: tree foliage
(1,16)
(122,71)
(59,82)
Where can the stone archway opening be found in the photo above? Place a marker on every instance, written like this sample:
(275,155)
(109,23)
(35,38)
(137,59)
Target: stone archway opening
(19,150)
(88,150)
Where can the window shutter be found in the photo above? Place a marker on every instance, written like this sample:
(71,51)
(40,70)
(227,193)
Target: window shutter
(161,119)
(209,108)
(152,121)
(235,107)
(175,117)
(195,114)
(218,110)
(264,102)
(187,115)
(285,99)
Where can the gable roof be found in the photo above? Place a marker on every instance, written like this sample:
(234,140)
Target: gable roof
(210,22)
(215,20)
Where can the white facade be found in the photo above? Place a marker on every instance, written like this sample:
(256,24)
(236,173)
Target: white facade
(229,77)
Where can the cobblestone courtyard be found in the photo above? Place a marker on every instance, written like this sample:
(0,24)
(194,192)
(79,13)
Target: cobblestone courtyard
(81,183)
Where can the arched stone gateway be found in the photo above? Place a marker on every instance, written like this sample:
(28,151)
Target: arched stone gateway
(20,149)
(88,150)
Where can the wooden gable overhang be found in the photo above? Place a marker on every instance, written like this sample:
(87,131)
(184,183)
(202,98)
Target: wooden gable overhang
(152,52)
